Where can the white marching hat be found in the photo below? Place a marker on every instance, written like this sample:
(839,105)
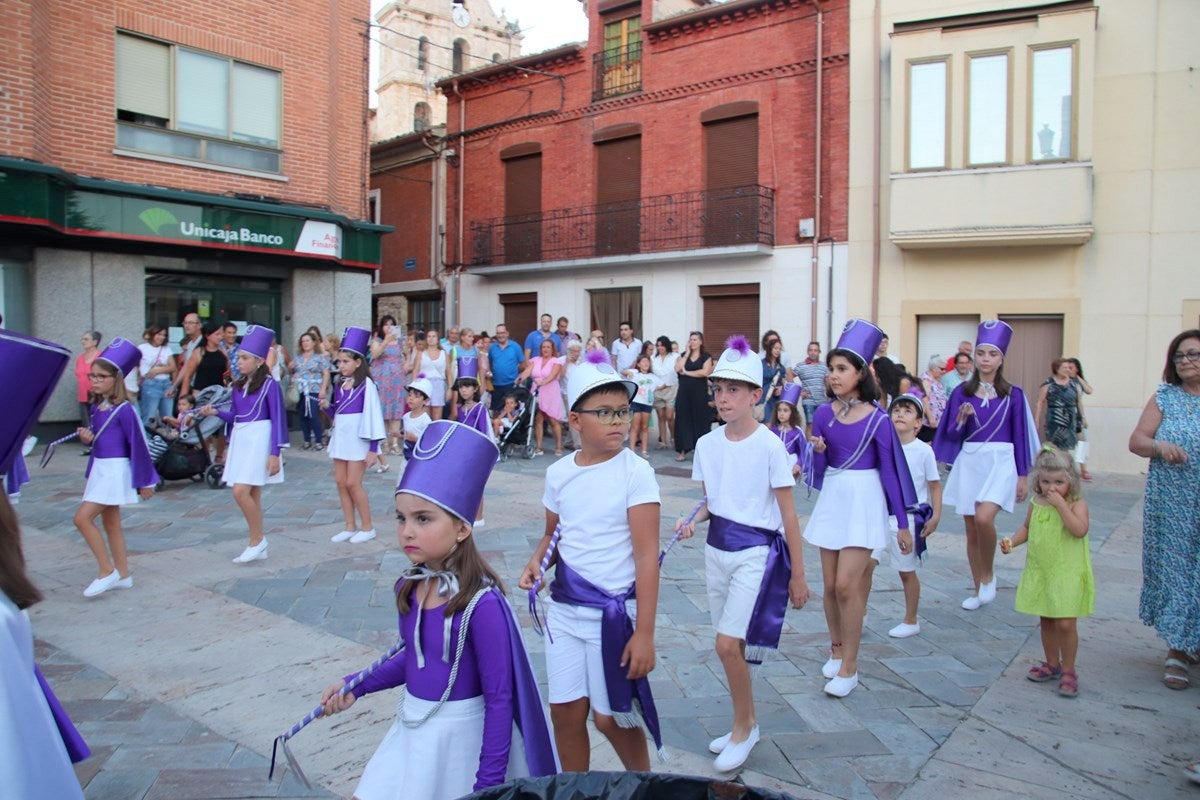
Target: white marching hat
(422,385)
(739,363)
(594,371)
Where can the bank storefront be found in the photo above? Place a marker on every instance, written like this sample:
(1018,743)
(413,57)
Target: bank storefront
(81,253)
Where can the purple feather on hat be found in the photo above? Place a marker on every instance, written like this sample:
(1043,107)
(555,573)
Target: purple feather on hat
(597,357)
(739,343)
(420,375)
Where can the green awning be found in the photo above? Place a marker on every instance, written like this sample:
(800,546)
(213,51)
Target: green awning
(37,194)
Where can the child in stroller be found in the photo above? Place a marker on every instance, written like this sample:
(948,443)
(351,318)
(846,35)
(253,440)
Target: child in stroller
(178,444)
(514,426)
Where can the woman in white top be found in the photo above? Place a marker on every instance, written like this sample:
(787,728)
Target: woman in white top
(157,370)
(662,364)
(431,361)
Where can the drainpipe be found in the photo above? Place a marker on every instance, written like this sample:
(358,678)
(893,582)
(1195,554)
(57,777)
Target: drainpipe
(462,163)
(876,144)
(816,235)
(438,170)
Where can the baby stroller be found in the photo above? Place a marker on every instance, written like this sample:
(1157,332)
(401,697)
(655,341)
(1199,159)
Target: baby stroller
(184,454)
(520,435)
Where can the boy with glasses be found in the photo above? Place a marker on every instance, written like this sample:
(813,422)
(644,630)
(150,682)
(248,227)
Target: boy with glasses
(604,501)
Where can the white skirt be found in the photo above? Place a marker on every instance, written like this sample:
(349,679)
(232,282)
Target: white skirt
(437,395)
(111,483)
(344,442)
(851,511)
(249,449)
(982,473)
(437,760)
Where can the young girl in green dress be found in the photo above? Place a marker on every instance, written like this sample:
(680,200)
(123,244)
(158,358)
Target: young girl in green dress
(1057,582)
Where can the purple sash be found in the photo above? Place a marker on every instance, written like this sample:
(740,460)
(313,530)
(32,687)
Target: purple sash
(615,631)
(766,621)
(77,748)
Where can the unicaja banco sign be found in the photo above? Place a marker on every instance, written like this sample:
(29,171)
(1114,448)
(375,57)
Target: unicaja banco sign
(235,235)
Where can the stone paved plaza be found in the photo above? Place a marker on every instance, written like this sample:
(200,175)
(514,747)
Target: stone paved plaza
(181,684)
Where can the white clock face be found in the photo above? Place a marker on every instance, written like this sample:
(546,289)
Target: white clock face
(461,17)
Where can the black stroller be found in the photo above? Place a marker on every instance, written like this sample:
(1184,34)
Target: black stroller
(520,436)
(179,455)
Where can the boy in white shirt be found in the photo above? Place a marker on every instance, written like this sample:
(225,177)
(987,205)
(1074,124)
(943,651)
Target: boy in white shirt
(751,570)
(605,502)
(906,412)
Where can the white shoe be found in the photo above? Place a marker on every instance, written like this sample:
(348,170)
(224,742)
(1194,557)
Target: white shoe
(904,630)
(362,536)
(987,592)
(719,744)
(341,537)
(831,668)
(124,583)
(256,553)
(972,603)
(102,585)
(736,753)
(840,687)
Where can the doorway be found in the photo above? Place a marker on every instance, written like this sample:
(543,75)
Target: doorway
(170,295)
(1037,340)
(611,307)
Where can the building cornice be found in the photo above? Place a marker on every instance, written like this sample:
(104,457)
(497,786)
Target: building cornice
(705,19)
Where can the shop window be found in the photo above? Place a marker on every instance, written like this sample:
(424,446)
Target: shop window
(1052,106)
(987,109)
(184,103)
(927,88)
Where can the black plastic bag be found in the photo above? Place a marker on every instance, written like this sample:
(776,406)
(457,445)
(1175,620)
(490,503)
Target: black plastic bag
(624,786)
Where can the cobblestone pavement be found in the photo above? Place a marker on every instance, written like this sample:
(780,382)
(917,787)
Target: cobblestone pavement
(181,684)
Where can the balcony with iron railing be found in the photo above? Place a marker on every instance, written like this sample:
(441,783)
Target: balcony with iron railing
(737,218)
(617,70)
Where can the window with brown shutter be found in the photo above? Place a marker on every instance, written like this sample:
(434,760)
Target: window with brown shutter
(728,310)
(520,314)
(523,208)
(618,189)
(731,165)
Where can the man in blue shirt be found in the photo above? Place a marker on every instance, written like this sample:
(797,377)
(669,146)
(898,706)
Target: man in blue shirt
(533,342)
(506,359)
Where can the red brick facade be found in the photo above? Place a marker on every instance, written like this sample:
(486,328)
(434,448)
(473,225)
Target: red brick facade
(57,101)
(763,52)
(403,174)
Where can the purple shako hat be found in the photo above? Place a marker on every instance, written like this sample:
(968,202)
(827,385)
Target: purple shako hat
(39,365)
(449,467)
(122,354)
(356,340)
(791,393)
(995,333)
(860,338)
(257,341)
(468,367)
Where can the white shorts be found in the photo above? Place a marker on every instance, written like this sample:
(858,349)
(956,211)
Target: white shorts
(574,666)
(983,473)
(851,511)
(249,449)
(344,442)
(901,562)
(733,580)
(111,483)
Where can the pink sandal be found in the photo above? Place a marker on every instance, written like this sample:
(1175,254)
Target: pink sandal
(1068,684)
(1044,672)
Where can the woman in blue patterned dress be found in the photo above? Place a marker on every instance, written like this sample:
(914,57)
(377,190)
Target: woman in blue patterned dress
(310,376)
(1168,433)
(387,370)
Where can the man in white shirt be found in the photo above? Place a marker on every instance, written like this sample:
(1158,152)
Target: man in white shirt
(626,348)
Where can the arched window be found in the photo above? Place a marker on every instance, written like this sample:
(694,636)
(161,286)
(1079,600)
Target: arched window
(423,54)
(461,52)
(496,57)
(421,117)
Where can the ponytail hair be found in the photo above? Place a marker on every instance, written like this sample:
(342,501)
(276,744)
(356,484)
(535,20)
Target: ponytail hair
(14,582)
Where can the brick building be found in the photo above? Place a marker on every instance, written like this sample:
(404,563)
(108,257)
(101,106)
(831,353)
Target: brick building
(156,160)
(686,168)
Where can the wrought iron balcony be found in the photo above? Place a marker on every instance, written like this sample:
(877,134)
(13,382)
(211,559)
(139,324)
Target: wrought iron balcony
(740,215)
(617,70)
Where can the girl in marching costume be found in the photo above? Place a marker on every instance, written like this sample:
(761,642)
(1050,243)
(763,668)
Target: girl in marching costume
(119,470)
(464,669)
(860,470)
(987,432)
(788,425)
(357,431)
(258,434)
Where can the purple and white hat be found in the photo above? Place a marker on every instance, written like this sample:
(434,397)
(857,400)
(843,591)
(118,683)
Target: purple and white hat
(995,333)
(257,341)
(450,466)
(739,363)
(594,371)
(791,393)
(122,354)
(356,340)
(861,339)
(39,365)
(467,367)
